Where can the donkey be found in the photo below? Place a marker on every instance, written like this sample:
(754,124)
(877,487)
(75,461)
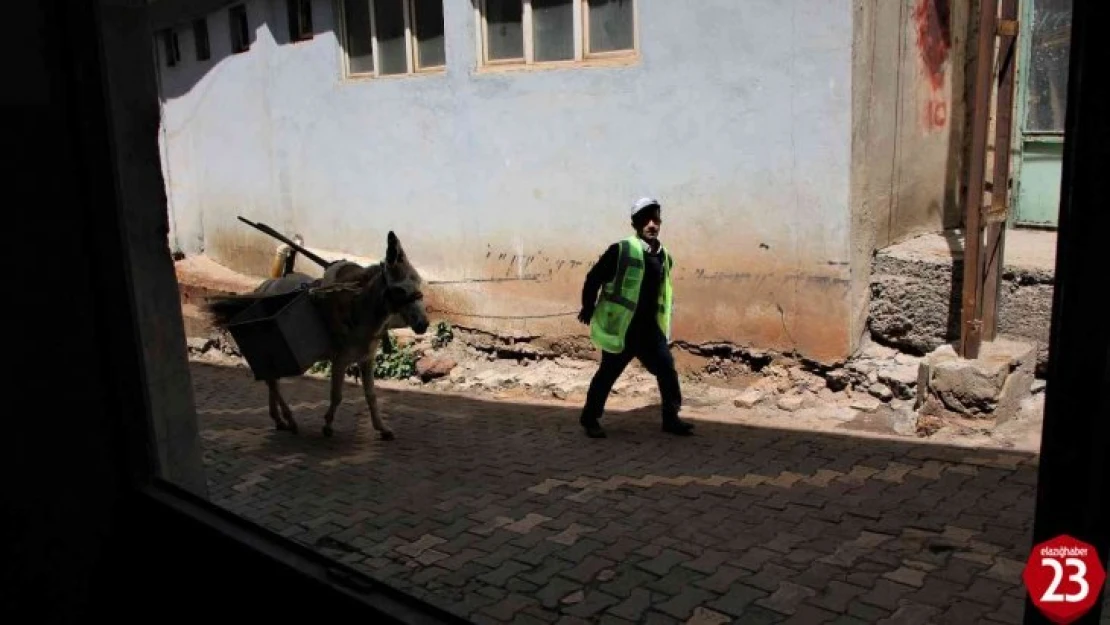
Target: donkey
(380,296)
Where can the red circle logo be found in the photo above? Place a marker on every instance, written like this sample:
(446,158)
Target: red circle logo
(1064,577)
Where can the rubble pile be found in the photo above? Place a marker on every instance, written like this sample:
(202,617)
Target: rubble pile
(897,392)
(218,346)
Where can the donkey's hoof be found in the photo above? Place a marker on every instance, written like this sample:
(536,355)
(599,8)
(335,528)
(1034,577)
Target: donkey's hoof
(387,435)
(328,431)
(292,427)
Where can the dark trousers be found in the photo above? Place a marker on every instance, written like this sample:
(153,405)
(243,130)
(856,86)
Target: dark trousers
(649,346)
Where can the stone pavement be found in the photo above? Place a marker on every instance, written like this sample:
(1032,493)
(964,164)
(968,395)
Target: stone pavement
(504,512)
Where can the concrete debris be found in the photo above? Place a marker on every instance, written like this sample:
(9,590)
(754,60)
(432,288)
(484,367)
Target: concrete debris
(860,368)
(776,371)
(880,391)
(901,379)
(903,418)
(432,368)
(771,385)
(866,404)
(198,345)
(217,343)
(791,403)
(907,359)
(494,380)
(749,398)
(989,387)
(837,380)
(811,382)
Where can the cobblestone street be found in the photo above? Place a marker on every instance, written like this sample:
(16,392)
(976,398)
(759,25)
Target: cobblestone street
(504,512)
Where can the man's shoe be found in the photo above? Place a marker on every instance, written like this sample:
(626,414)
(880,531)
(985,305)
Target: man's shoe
(592,427)
(678,426)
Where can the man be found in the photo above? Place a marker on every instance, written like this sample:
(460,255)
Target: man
(632,318)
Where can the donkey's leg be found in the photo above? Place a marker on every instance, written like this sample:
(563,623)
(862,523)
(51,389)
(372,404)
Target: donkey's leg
(338,372)
(272,397)
(366,373)
(277,400)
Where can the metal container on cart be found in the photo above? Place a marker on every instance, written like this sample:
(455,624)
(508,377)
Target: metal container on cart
(281,336)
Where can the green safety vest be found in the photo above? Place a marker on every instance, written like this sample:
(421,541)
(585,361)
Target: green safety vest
(618,300)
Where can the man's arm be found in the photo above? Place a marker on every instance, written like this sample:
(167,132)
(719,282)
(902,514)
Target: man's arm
(603,271)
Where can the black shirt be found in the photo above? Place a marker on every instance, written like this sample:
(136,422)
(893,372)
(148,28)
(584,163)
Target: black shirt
(606,270)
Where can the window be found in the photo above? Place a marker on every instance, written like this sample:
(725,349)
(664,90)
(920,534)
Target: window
(552,31)
(610,26)
(391,37)
(300,19)
(200,38)
(240,29)
(171,47)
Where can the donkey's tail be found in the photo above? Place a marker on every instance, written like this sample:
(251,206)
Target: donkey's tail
(224,308)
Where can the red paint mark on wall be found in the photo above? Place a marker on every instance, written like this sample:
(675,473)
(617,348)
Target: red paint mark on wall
(934,38)
(936,114)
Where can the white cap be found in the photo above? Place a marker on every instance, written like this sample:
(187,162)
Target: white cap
(643,203)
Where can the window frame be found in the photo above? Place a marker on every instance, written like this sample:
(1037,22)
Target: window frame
(582,55)
(171,47)
(232,14)
(200,25)
(299,29)
(585,39)
(412,52)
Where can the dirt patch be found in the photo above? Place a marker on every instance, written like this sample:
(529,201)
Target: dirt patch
(877,422)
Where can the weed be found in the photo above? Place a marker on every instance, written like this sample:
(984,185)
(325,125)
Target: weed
(444,335)
(399,364)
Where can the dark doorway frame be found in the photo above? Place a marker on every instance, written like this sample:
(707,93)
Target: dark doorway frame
(95,532)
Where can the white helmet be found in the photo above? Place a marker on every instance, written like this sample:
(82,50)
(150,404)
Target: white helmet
(645,202)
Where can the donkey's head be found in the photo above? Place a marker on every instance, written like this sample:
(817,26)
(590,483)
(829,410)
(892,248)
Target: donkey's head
(403,295)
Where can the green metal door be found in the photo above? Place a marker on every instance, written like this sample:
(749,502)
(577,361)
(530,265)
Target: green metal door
(1042,102)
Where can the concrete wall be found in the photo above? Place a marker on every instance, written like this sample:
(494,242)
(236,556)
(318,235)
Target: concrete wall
(917,287)
(130,85)
(88,158)
(911,77)
(736,115)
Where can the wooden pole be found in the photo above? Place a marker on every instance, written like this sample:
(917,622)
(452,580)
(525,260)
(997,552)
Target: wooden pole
(970,316)
(1000,181)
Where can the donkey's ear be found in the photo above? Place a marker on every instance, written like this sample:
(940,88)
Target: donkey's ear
(393,253)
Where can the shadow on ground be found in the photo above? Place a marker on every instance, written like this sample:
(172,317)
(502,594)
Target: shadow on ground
(505,512)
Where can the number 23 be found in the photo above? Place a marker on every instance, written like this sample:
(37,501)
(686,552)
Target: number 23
(1080,577)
